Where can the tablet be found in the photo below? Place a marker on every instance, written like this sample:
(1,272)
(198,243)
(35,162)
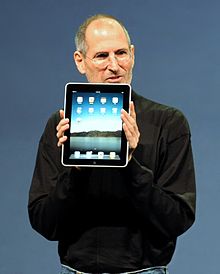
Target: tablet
(95,136)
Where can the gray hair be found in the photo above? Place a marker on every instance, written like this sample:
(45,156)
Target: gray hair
(80,39)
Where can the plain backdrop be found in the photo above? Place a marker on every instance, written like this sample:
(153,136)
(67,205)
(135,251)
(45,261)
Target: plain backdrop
(177,63)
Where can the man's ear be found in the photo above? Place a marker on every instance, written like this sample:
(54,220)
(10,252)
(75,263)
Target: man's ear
(133,53)
(79,61)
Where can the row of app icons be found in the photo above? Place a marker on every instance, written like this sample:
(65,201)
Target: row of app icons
(103,100)
(91,110)
(89,154)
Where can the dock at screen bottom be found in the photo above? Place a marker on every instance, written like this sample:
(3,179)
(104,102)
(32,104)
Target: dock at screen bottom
(106,148)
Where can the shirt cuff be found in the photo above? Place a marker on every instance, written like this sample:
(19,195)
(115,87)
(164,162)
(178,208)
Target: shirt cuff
(140,174)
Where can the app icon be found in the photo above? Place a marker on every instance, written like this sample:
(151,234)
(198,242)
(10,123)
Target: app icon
(91,110)
(79,110)
(114,110)
(79,99)
(100,155)
(103,100)
(88,154)
(112,155)
(114,100)
(91,99)
(77,154)
(103,110)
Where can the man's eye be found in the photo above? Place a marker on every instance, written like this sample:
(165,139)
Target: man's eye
(101,56)
(121,52)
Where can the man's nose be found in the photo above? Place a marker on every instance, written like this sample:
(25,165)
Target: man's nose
(113,63)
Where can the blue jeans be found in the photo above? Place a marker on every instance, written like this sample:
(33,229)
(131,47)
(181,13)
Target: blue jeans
(151,270)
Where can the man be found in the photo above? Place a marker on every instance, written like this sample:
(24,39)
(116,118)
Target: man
(116,220)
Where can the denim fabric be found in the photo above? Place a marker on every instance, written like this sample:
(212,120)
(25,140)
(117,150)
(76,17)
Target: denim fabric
(151,270)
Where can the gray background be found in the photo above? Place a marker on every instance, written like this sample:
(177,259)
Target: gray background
(177,63)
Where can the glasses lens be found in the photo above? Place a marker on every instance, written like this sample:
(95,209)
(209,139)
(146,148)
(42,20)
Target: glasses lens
(122,57)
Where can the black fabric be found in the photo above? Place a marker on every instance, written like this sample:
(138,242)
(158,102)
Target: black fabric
(118,219)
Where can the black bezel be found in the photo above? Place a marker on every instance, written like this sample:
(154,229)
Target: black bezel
(103,88)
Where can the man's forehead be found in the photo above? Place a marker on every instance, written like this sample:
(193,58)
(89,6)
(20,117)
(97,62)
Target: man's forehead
(104,31)
(103,27)
(104,23)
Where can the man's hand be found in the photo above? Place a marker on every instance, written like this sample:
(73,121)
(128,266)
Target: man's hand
(130,128)
(61,127)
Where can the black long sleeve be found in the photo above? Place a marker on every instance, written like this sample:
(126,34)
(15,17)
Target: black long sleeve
(163,182)
(166,198)
(133,213)
(55,189)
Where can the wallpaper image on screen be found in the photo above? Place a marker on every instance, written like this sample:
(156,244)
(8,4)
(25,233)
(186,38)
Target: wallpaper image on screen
(96,126)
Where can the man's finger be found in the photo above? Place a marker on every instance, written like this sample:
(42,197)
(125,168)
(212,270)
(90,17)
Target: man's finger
(61,113)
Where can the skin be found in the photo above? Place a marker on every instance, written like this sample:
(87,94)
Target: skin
(106,35)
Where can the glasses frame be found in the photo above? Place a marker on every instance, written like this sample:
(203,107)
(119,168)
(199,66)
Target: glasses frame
(105,62)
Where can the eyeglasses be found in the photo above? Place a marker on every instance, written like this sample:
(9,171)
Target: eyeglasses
(102,59)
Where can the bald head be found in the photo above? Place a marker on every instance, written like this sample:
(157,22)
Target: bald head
(104,53)
(104,31)
(97,21)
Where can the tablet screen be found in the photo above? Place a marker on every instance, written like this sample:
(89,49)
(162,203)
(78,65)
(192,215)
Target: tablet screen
(95,136)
